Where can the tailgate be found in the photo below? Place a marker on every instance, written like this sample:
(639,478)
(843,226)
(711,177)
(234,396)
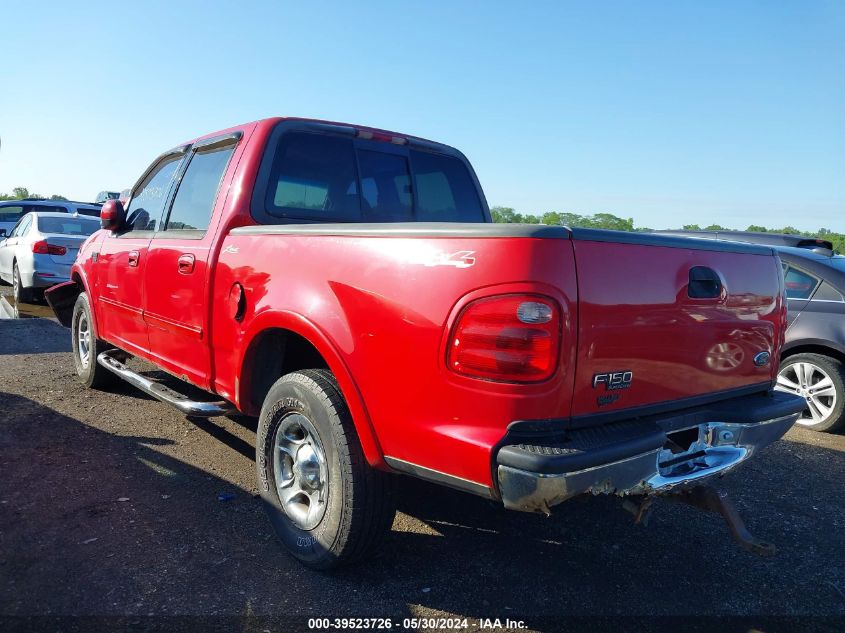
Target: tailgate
(671,321)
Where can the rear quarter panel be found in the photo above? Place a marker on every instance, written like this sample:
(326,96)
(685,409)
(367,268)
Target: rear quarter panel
(384,306)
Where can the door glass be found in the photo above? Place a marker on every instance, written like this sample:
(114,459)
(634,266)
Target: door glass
(194,201)
(145,209)
(313,177)
(11,213)
(799,285)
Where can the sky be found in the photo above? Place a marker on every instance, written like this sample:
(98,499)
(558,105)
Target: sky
(668,112)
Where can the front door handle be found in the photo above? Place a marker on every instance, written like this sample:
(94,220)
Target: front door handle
(186,264)
(134,256)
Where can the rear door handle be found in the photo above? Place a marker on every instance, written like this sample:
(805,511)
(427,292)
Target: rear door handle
(186,264)
(134,256)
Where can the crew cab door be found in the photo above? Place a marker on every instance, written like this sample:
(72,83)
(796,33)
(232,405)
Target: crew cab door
(122,259)
(176,303)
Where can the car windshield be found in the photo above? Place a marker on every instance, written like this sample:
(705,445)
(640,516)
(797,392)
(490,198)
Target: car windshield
(68,226)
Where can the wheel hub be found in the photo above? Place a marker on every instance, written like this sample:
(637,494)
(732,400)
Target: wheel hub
(300,472)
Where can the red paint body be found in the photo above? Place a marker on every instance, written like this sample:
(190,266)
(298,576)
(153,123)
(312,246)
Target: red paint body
(381,318)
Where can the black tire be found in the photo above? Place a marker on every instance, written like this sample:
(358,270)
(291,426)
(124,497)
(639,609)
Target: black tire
(359,505)
(90,372)
(835,370)
(21,294)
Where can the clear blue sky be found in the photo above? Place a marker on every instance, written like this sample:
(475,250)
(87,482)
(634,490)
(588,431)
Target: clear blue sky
(667,112)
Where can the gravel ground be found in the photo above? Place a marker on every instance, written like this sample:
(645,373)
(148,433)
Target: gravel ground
(110,506)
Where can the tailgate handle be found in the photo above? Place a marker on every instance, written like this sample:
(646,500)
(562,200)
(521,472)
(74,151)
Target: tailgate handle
(704,283)
(133,257)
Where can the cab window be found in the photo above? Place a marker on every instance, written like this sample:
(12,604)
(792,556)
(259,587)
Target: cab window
(145,209)
(194,200)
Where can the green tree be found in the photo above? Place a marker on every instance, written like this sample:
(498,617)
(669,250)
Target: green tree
(715,227)
(20,193)
(57,197)
(757,229)
(691,227)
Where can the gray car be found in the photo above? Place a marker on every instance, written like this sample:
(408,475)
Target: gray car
(40,250)
(13,210)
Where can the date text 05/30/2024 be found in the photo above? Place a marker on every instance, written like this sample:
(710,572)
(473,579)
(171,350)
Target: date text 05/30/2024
(445,624)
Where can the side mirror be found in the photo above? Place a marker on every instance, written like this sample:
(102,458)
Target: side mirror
(2,232)
(112,215)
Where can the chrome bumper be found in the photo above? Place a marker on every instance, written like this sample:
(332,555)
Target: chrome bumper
(720,447)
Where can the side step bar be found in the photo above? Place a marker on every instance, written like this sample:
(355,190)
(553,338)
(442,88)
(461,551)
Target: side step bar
(160,392)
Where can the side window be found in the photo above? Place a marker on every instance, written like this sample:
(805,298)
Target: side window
(799,285)
(194,201)
(145,209)
(313,178)
(385,187)
(11,213)
(22,226)
(46,208)
(826,292)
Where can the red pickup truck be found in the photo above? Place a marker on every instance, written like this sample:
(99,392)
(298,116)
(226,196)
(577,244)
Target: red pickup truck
(347,286)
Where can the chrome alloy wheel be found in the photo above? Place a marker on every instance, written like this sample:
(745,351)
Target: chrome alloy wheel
(814,385)
(16,284)
(300,471)
(83,340)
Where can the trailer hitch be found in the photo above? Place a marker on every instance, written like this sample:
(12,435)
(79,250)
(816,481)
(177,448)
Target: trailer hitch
(710,499)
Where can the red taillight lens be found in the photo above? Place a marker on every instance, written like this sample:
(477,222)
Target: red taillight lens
(43,248)
(509,338)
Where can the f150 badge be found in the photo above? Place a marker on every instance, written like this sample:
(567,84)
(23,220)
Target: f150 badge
(613,381)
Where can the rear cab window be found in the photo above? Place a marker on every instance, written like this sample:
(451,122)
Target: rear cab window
(11,213)
(310,176)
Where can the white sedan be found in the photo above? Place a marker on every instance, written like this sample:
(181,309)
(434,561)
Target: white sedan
(40,250)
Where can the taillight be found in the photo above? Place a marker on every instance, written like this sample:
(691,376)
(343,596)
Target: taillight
(43,248)
(508,338)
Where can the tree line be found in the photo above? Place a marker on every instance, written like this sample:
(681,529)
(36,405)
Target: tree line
(610,221)
(19,193)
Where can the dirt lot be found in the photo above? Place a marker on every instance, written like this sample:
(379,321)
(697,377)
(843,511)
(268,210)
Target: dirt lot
(110,505)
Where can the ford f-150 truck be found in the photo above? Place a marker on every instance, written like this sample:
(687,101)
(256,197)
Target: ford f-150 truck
(347,286)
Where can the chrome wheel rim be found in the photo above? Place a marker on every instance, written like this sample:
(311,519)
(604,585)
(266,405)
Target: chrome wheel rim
(83,340)
(813,384)
(300,472)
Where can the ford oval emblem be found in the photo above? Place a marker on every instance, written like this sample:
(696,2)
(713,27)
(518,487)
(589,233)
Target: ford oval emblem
(762,358)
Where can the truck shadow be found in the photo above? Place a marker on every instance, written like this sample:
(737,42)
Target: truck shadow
(94,522)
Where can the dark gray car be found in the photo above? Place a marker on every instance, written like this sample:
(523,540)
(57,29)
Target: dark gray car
(813,357)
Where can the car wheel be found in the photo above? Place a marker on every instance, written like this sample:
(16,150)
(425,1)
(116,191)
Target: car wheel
(21,294)
(327,505)
(86,347)
(821,381)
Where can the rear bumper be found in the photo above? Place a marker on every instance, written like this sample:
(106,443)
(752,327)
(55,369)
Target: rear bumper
(646,456)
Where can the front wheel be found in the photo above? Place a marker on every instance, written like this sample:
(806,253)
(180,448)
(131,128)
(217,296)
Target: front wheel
(820,380)
(327,505)
(86,347)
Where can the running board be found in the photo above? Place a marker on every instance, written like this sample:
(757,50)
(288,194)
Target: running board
(160,392)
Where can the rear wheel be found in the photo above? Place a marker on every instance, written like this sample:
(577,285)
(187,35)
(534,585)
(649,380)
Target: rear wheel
(821,381)
(86,347)
(327,505)
(22,294)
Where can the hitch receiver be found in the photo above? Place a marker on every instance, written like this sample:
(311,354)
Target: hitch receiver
(710,499)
